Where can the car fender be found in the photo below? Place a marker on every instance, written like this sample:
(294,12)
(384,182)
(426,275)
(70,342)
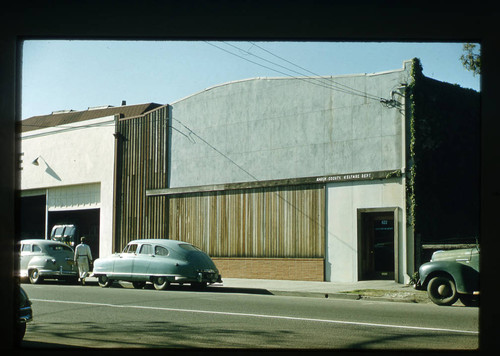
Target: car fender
(466,278)
(104,265)
(41,262)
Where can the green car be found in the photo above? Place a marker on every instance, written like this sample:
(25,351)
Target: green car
(45,259)
(451,275)
(158,261)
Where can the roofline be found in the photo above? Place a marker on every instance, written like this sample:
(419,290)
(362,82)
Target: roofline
(144,114)
(406,62)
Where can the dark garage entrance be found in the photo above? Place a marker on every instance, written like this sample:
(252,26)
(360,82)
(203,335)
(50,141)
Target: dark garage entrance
(87,222)
(377,240)
(30,218)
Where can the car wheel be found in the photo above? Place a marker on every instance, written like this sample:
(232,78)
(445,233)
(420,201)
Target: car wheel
(161,283)
(104,281)
(139,285)
(34,276)
(469,300)
(442,290)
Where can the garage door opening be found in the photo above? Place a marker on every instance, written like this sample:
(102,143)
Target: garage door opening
(87,221)
(30,218)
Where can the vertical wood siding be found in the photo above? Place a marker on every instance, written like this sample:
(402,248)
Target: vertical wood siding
(142,163)
(267,222)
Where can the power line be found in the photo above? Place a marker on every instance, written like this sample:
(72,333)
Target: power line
(304,69)
(330,85)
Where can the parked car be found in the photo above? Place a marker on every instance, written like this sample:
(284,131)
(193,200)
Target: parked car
(451,275)
(159,261)
(40,259)
(25,314)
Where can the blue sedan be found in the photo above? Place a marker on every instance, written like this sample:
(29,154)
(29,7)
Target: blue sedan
(159,261)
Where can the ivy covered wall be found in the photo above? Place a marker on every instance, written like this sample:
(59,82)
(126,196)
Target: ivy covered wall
(443,185)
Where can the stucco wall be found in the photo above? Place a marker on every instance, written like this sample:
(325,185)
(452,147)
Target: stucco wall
(74,155)
(275,128)
(343,202)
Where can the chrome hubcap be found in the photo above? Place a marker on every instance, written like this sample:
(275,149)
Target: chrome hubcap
(444,290)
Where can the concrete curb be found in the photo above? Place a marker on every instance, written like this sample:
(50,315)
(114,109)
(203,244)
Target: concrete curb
(350,296)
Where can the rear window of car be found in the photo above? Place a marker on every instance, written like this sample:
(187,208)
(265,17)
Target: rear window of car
(161,251)
(189,247)
(26,247)
(59,248)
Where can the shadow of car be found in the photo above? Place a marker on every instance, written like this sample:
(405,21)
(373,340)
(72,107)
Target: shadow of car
(40,259)
(157,261)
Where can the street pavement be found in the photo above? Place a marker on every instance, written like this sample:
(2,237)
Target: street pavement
(382,290)
(238,315)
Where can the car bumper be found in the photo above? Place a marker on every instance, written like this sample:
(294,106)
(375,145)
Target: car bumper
(59,273)
(25,314)
(418,286)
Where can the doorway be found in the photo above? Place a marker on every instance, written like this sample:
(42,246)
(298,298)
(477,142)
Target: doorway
(377,244)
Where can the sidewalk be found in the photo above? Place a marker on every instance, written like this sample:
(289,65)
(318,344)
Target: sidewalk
(381,290)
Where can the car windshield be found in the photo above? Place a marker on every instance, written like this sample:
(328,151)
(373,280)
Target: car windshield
(59,248)
(58,231)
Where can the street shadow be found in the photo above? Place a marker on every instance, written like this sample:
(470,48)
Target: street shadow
(173,287)
(429,340)
(189,288)
(150,334)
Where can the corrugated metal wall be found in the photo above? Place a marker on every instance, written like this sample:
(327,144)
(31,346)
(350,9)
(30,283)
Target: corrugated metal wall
(266,222)
(142,163)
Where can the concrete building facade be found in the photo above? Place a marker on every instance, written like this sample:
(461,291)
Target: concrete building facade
(310,178)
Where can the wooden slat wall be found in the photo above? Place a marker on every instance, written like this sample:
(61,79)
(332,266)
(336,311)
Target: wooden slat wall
(273,222)
(142,163)
(267,222)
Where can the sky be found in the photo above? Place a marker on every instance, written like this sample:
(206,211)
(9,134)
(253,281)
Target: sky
(75,74)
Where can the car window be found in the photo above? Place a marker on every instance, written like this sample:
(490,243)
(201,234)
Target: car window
(146,250)
(69,230)
(60,248)
(189,247)
(161,251)
(37,248)
(26,247)
(58,231)
(132,248)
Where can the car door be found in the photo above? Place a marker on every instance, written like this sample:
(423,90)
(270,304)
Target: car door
(125,262)
(162,263)
(142,261)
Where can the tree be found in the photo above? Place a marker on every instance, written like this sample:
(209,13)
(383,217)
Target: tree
(471,60)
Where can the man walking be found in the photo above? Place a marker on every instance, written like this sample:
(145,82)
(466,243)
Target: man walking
(83,257)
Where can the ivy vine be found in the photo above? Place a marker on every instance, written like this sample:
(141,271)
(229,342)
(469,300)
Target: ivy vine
(416,73)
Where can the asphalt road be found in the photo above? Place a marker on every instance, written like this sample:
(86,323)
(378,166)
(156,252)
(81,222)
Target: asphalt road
(123,317)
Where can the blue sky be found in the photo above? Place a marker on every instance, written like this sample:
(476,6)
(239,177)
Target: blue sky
(64,74)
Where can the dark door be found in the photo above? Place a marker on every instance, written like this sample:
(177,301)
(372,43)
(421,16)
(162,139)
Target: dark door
(376,250)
